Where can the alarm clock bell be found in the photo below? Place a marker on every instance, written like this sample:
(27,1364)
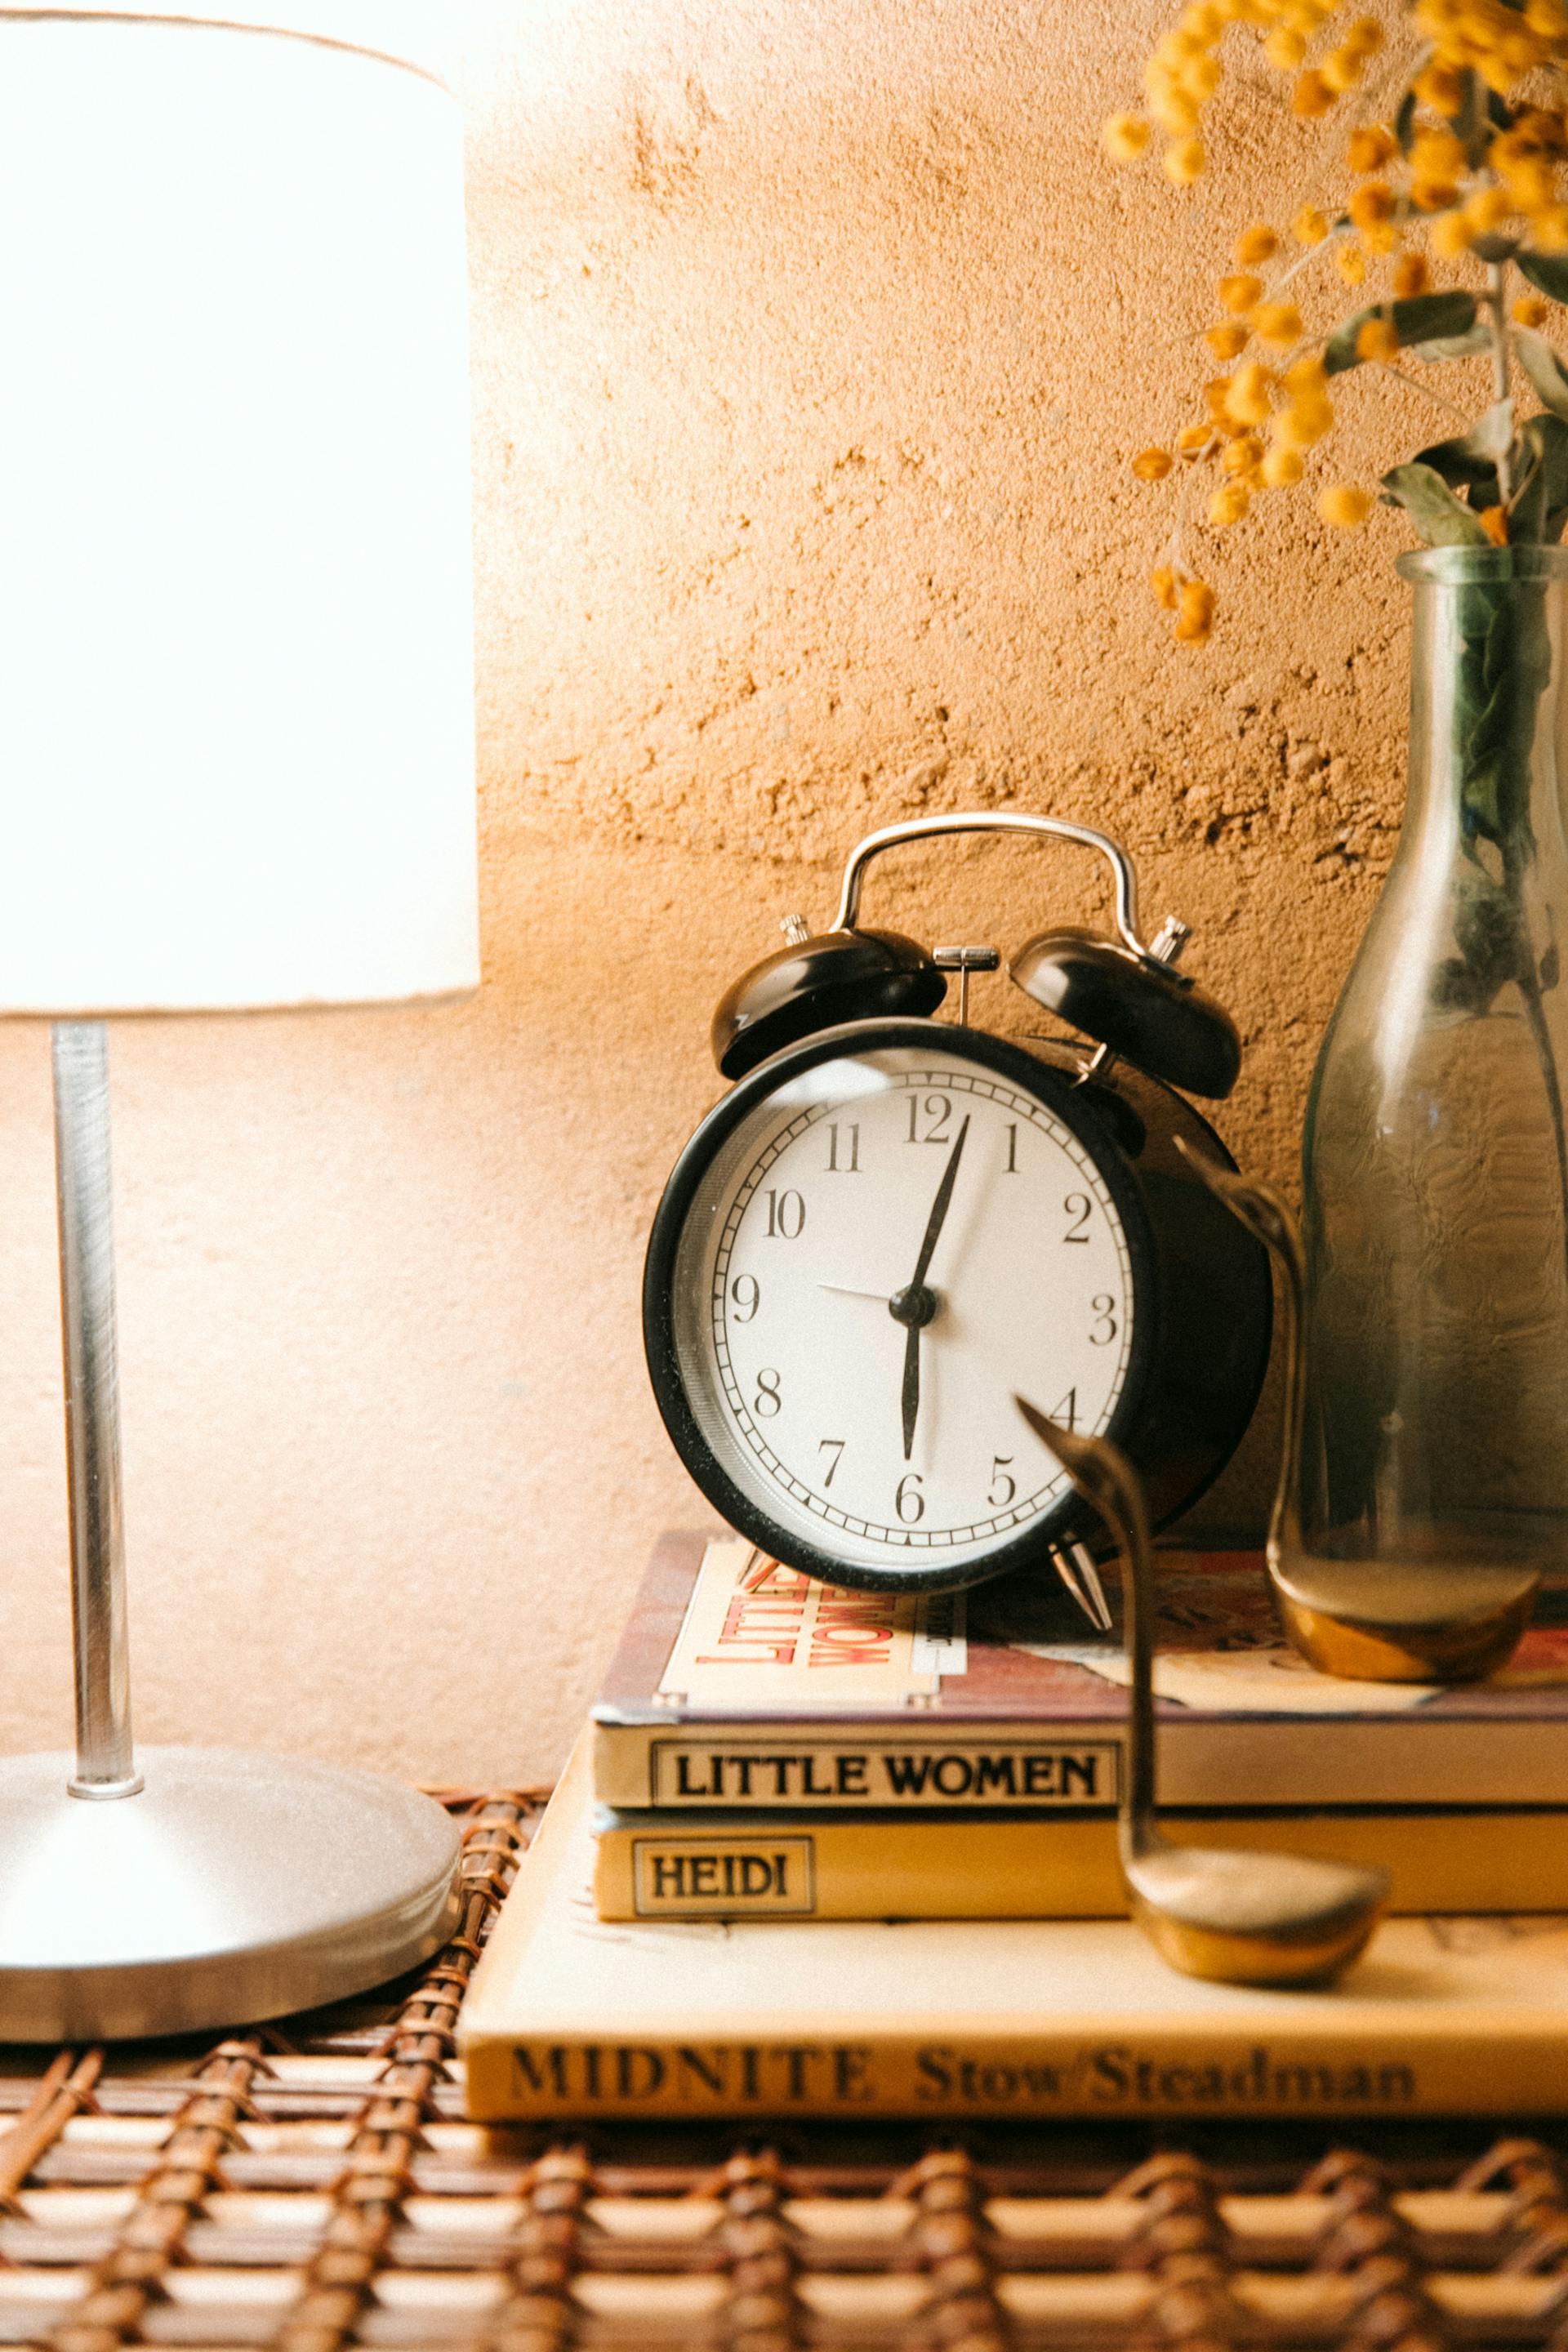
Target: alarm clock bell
(1127,996)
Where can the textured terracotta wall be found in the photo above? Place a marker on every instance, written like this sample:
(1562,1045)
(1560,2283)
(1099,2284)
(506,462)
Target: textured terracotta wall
(811,340)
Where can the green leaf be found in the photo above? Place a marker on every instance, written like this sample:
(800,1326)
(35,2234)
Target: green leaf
(1453,347)
(1539,503)
(1417,319)
(1471,458)
(1545,369)
(1404,123)
(1494,246)
(1548,271)
(1442,520)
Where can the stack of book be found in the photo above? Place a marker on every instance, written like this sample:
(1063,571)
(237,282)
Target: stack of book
(768,1752)
(768,1746)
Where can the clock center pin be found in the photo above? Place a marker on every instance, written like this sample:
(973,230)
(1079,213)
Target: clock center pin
(915,1306)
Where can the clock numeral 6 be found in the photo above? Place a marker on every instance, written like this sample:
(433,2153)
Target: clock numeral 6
(747,1293)
(1106,1328)
(787,1215)
(909,1502)
(767,1401)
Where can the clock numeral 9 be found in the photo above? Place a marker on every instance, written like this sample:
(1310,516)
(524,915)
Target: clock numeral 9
(1105,1330)
(747,1293)
(787,1215)
(909,1502)
(767,1401)
(936,1110)
(1077,1206)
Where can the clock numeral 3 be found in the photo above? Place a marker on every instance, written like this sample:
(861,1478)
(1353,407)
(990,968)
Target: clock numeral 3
(836,1446)
(935,1110)
(747,1293)
(849,1163)
(786,1216)
(909,1502)
(1004,1486)
(767,1401)
(1077,1207)
(1105,1330)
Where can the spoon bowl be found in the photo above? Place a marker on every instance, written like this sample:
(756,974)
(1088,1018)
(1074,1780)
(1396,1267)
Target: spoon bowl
(1239,1917)
(1252,1918)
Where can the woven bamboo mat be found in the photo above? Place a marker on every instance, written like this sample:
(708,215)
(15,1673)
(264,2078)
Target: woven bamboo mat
(314,2185)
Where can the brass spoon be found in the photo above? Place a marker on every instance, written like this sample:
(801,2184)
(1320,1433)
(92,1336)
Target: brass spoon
(1241,1917)
(1447,1613)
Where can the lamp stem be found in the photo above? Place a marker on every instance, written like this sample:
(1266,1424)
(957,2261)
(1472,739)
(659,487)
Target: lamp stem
(105,1766)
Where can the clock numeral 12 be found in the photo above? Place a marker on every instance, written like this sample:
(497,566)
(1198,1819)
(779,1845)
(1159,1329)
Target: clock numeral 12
(938,1110)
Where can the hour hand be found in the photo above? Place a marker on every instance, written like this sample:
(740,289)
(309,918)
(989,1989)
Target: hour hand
(911,1396)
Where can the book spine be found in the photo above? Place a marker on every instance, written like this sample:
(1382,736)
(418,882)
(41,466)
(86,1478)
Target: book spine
(846,1771)
(808,1867)
(1520,2066)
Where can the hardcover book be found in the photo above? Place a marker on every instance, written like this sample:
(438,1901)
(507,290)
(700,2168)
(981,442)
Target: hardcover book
(909,1865)
(741,1686)
(569,2016)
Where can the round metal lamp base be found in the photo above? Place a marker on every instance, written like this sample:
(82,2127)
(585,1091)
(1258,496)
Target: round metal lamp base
(232,1887)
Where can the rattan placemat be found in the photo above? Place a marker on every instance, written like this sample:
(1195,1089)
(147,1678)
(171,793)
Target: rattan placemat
(314,2185)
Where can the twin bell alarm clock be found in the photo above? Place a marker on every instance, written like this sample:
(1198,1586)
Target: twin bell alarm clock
(893,1225)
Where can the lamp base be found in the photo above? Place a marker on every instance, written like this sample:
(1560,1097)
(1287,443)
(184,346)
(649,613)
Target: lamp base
(233,1886)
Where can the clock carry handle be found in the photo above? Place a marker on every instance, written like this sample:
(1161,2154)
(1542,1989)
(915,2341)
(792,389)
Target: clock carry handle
(1167,946)
(1124,994)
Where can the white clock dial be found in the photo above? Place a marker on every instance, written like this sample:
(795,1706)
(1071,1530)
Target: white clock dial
(887,1248)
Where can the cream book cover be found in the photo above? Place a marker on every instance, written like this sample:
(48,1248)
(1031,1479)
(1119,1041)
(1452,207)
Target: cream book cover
(571,2016)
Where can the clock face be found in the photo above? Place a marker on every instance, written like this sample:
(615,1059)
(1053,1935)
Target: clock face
(872,1259)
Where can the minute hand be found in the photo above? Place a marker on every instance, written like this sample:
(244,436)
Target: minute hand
(938,1209)
(914,1306)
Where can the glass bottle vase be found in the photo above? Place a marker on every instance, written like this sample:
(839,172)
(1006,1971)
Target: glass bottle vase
(1435,1170)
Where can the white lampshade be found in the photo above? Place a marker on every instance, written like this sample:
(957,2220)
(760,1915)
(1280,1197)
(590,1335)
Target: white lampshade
(235,638)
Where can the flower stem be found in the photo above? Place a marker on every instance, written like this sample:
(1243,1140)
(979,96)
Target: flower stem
(1497,326)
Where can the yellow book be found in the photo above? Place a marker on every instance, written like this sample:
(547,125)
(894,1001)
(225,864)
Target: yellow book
(571,2016)
(1063,1866)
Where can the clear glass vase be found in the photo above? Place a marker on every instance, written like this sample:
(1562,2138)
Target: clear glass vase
(1435,1171)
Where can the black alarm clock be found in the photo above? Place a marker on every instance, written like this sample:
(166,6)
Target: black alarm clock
(893,1225)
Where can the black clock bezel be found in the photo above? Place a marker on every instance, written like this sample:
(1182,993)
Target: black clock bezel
(1056,1094)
